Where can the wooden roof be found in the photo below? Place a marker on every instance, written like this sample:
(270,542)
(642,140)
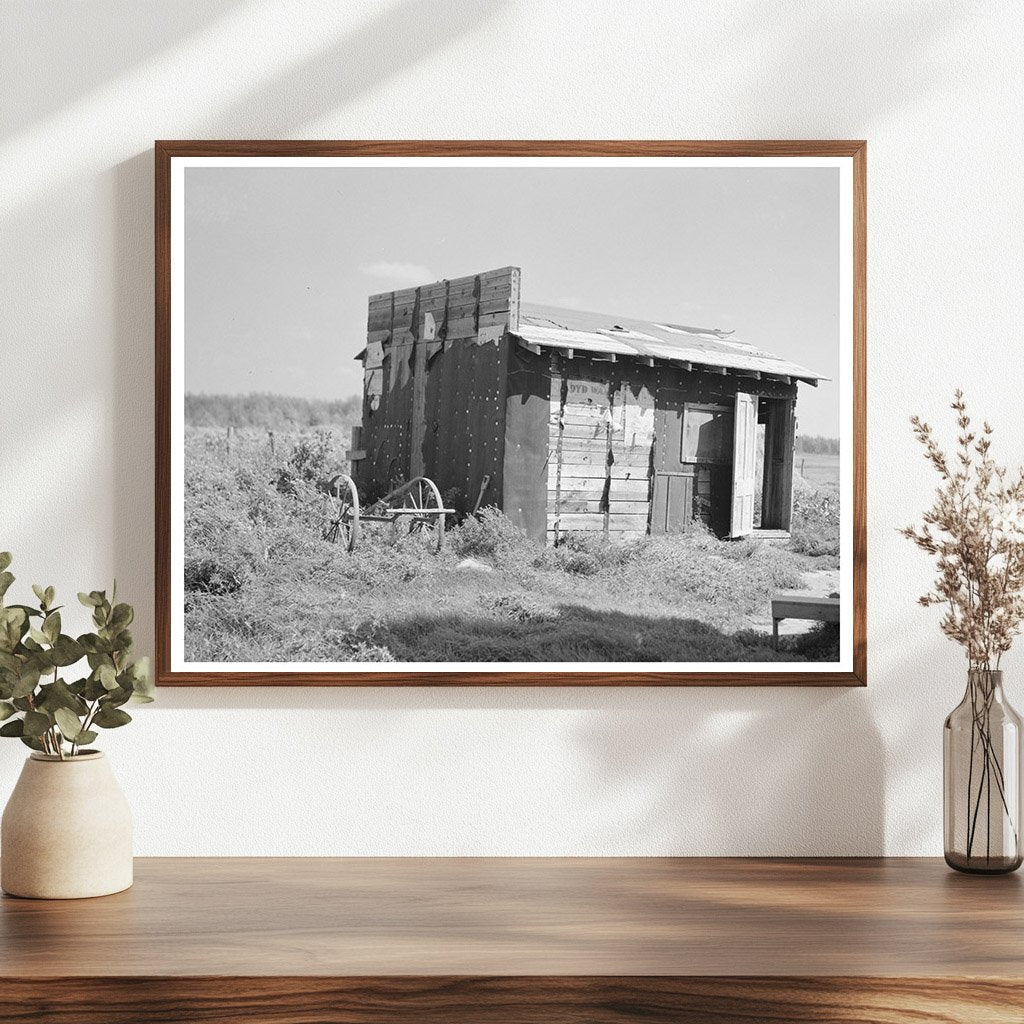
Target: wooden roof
(605,334)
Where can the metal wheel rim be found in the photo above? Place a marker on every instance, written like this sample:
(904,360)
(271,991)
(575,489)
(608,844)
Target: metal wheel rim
(343,526)
(423,494)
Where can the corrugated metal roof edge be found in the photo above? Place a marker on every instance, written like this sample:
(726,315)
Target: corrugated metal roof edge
(601,345)
(607,346)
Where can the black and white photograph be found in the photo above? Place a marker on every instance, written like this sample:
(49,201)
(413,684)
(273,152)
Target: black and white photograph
(511,415)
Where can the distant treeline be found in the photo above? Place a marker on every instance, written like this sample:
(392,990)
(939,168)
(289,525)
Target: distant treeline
(812,444)
(272,412)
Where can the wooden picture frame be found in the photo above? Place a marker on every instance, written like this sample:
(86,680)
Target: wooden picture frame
(849,156)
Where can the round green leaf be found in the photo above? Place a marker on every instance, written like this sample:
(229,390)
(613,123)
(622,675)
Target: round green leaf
(122,616)
(27,681)
(94,689)
(36,723)
(13,624)
(66,651)
(142,679)
(94,644)
(110,718)
(51,626)
(69,724)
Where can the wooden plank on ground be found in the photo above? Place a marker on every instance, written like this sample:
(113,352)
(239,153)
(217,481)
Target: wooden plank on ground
(790,605)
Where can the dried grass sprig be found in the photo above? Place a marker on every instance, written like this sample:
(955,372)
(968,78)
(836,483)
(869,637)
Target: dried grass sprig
(975,530)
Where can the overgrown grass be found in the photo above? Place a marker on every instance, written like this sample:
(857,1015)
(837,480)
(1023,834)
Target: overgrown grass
(815,527)
(261,584)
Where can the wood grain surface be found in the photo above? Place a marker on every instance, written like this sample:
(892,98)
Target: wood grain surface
(166,150)
(511,1000)
(493,939)
(503,916)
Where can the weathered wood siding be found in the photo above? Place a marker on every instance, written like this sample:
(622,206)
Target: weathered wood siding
(600,434)
(604,424)
(632,445)
(434,403)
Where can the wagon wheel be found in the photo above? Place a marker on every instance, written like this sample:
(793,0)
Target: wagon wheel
(422,493)
(343,520)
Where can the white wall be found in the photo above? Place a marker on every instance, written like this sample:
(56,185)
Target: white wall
(936,88)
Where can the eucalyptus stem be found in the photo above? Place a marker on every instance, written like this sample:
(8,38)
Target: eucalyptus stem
(57,738)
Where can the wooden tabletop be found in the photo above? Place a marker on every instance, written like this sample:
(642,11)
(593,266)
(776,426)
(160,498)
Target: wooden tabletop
(502,916)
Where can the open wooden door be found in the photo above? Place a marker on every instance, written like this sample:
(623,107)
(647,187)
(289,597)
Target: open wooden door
(777,487)
(744,458)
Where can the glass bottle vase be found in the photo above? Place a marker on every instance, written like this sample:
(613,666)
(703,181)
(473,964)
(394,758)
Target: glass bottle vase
(981,771)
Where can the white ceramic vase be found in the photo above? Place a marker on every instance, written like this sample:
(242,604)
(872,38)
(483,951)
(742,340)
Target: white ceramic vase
(66,831)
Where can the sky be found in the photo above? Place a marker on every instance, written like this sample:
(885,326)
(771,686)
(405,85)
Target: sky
(279,261)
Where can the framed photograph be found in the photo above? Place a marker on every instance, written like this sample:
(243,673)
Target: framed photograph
(492,413)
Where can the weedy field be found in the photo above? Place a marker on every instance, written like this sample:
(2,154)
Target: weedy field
(262,585)
(818,468)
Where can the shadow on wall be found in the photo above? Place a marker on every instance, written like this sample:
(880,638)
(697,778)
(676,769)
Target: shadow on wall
(47,47)
(393,39)
(826,67)
(739,771)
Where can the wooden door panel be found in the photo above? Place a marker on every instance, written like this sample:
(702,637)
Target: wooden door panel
(744,458)
(672,503)
(680,504)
